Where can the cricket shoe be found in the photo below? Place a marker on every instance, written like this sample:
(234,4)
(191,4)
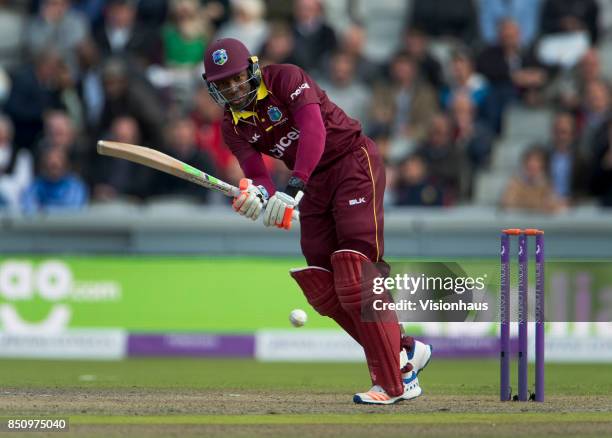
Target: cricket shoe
(378,396)
(415,356)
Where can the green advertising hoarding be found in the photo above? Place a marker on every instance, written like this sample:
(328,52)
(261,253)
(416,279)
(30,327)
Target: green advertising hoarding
(151,293)
(188,294)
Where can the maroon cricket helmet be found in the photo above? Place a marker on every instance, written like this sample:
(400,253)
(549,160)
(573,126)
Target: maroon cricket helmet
(225,57)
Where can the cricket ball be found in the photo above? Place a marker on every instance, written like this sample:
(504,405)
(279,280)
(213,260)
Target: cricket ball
(298,318)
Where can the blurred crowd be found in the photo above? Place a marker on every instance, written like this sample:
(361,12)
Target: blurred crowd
(430,80)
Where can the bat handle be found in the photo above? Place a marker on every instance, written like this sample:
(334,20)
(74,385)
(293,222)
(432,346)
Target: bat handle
(298,198)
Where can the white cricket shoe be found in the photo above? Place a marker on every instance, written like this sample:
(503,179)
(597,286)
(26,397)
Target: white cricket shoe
(418,358)
(378,396)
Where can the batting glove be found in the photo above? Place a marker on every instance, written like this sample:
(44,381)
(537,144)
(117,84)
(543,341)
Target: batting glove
(251,199)
(279,210)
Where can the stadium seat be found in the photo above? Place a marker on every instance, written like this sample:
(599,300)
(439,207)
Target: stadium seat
(527,123)
(384,20)
(605,47)
(489,187)
(507,154)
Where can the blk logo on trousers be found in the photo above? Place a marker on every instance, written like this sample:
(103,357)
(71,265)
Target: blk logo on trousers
(357,201)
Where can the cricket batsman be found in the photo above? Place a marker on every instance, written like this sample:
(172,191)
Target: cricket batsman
(338,180)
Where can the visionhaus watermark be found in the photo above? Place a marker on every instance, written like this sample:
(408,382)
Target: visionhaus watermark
(469,290)
(421,287)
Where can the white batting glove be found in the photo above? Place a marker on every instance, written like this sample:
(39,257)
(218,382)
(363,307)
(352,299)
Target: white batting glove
(251,199)
(279,210)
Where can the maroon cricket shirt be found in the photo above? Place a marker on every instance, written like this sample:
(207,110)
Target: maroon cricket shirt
(270,128)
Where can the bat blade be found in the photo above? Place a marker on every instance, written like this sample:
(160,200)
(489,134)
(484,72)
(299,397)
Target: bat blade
(164,163)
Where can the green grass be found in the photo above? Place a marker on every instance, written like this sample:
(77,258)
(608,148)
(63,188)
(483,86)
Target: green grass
(443,377)
(460,399)
(413,418)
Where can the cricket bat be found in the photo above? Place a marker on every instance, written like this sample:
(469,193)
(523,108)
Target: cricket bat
(165,163)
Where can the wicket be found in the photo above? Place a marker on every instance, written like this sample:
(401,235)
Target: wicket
(505,391)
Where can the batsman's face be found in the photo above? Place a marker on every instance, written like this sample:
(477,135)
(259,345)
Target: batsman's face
(235,89)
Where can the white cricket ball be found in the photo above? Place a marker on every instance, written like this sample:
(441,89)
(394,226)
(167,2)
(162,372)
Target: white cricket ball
(298,318)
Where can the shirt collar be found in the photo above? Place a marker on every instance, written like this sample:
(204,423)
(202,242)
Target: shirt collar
(262,93)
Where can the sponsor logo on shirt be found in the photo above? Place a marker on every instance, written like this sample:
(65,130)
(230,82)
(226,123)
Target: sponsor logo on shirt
(278,150)
(357,201)
(298,90)
(254,138)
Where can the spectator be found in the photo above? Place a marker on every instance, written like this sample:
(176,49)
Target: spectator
(56,25)
(125,95)
(344,89)
(116,179)
(381,115)
(60,133)
(56,189)
(186,35)
(90,85)
(463,79)
(315,40)
(5,86)
(446,18)
(246,23)
(181,145)
(152,14)
(594,112)
(414,186)
(444,159)
(207,117)
(16,168)
(511,72)
(353,42)
(384,21)
(382,138)
(122,35)
(409,102)
(279,46)
(184,40)
(565,161)
(601,177)
(470,136)
(416,44)
(218,11)
(12,24)
(34,91)
(526,14)
(531,190)
(93,10)
(567,90)
(68,95)
(570,16)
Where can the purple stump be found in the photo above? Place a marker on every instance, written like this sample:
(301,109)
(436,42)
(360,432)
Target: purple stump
(523,258)
(505,393)
(539,316)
